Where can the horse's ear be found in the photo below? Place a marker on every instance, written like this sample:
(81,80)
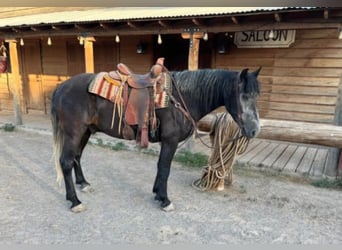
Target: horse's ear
(243,74)
(124,69)
(256,73)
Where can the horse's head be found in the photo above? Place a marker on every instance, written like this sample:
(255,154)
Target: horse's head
(242,104)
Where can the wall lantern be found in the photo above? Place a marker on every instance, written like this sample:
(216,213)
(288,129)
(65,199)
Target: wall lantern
(141,48)
(222,43)
(222,48)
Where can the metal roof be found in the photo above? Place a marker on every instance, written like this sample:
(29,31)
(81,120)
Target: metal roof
(132,13)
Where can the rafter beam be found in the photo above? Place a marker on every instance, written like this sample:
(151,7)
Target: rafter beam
(132,25)
(235,19)
(55,27)
(197,21)
(164,23)
(277,17)
(104,26)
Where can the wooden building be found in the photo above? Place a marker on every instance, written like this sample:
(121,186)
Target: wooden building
(299,49)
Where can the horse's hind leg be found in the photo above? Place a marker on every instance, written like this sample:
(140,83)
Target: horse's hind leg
(80,179)
(67,161)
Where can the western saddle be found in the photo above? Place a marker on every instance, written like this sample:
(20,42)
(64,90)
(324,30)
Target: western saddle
(138,100)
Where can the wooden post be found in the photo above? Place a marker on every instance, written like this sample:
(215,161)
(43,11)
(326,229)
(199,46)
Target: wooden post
(194,43)
(16,81)
(89,54)
(193,53)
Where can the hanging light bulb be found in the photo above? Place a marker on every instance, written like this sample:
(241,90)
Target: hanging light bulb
(81,40)
(271,35)
(49,42)
(205,37)
(117,39)
(340,34)
(21,42)
(160,41)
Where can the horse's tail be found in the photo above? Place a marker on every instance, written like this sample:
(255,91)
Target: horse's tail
(57,139)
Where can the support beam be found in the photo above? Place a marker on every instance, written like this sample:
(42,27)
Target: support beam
(133,25)
(16,83)
(197,21)
(193,54)
(194,37)
(164,24)
(235,19)
(89,54)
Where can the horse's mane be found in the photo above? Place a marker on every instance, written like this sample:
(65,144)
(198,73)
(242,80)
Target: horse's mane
(211,82)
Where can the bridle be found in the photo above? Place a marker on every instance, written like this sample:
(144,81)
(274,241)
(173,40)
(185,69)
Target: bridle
(181,106)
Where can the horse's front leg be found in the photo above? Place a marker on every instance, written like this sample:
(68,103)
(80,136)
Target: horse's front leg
(167,152)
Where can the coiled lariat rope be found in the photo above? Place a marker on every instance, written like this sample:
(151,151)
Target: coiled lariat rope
(224,151)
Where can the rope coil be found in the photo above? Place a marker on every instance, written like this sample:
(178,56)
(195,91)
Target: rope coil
(223,155)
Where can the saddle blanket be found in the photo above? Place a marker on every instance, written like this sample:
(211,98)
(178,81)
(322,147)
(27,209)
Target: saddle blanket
(111,89)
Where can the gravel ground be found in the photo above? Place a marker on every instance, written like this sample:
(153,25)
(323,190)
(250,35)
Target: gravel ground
(257,208)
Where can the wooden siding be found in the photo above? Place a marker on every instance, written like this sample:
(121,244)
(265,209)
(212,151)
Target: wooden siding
(6,96)
(299,82)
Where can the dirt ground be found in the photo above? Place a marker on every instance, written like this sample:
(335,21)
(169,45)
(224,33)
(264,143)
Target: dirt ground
(257,208)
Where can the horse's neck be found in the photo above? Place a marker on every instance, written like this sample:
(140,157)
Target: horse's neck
(198,107)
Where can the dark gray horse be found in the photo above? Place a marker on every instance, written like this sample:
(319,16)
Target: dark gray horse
(76,114)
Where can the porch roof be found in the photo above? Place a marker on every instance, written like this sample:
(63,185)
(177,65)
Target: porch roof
(118,14)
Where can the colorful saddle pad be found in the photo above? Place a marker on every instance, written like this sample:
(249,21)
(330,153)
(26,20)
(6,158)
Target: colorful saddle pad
(111,89)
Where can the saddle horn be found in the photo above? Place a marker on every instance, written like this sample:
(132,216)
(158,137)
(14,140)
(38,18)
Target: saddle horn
(124,69)
(158,67)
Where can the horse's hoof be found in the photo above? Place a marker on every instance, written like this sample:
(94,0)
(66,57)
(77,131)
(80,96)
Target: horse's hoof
(169,208)
(79,208)
(87,189)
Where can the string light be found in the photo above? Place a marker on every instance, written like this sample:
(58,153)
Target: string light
(160,41)
(21,42)
(117,39)
(49,42)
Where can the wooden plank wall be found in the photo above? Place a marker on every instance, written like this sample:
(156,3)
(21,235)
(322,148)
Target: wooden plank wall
(6,97)
(297,83)
(54,68)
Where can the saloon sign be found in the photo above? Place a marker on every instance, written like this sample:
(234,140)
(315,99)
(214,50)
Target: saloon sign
(261,39)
